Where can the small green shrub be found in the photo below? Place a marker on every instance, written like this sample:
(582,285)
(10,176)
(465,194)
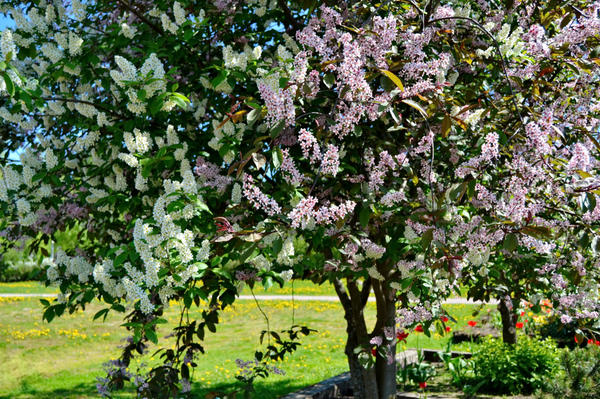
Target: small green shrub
(579,376)
(18,267)
(500,368)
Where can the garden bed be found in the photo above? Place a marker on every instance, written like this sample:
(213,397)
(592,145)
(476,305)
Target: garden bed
(438,387)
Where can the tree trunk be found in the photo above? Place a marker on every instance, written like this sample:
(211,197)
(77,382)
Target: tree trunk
(377,382)
(364,381)
(386,367)
(509,320)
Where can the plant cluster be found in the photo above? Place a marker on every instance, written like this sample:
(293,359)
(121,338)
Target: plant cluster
(500,368)
(578,376)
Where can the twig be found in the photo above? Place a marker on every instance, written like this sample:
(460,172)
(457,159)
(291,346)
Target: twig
(141,17)
(264,315)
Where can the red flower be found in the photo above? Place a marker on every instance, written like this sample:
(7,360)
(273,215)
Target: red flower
(472,323)
(597,343)
(419,328)
(444,319)
(522,313)
(575,337)
(519,325)
(373,351)
(525,320)
(401,336)
(590,341)
(422,385)
(448,329)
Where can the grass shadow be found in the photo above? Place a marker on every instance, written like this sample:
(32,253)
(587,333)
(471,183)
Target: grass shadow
(263,389)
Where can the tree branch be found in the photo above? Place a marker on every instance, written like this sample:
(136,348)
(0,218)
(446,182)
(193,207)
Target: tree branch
(366,290)
(141,17)
(294,25)
(341,293)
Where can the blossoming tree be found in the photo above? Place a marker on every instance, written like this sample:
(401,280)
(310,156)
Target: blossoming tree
(386,147)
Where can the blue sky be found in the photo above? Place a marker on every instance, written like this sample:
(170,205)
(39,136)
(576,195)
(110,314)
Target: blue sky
(5,22)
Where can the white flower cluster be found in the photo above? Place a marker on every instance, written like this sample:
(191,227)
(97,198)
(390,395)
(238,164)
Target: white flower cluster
(75,43)
(511,43)
(286,255)
(128,71)
(102,275)
(240,60)
(152,72)
(7,45)
(261,263)
(128,31)
(179,13)
(372,250)
(74,266)
(138,142)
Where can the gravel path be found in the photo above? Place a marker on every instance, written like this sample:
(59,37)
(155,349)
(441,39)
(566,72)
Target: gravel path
(450,301)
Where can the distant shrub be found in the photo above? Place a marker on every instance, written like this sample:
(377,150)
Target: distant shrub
(500,368)
(15,266)
(579,376)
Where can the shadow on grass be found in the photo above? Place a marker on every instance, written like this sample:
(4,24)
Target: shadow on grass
(73,392)
(263,390)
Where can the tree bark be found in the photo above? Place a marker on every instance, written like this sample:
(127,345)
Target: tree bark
(364,381)
(509,320)
(386,367)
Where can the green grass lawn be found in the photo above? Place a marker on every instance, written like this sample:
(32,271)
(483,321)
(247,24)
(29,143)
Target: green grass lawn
(63,358)
(26,287)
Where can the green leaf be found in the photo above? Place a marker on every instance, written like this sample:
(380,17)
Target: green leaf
(10,87)
(259,160)
(219,79)
(49,314)
(537,231)
(416,106)
(179,99)
(283,82)
(446,125)
(393,78)
(510,242)
(100,313)
(278,128)
(427,238)
(364,216)
(151,335)
(329,80)
(277,158)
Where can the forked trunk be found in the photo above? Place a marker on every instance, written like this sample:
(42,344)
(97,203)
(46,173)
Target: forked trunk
(364,381)
(377,382)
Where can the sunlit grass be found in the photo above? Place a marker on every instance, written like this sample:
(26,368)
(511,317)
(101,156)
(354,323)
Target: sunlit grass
(63,358)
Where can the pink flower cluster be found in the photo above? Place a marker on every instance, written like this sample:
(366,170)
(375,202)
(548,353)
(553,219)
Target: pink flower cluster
(305,211)
(291,173)
(310,147)
(260,200)
(279,102)
(210,176)
(331,161)
(378,171)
